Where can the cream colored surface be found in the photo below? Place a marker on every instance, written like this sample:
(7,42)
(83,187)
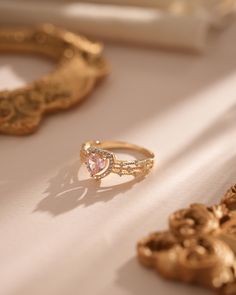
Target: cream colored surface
(63,235)
(173,27)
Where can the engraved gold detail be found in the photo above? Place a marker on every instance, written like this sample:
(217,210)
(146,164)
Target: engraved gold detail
(101,150)
(79,66)
(199,248)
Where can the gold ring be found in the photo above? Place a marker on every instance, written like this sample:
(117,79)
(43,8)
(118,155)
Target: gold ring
(100,161)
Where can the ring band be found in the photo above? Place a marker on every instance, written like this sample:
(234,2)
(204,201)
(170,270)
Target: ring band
(100,161)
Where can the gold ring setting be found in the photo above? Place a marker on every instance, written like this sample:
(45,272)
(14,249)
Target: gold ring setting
(101,161)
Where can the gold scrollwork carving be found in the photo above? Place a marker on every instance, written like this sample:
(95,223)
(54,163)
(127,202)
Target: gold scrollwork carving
(199,248)
(80,65)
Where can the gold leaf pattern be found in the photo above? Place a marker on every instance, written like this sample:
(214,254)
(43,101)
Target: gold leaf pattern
(199,248)
(79,66)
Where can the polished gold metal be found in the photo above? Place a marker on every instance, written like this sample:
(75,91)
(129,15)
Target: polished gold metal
(100,161)
(199,247)
(79,66)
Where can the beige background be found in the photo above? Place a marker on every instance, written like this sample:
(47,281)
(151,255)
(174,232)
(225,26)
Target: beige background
(64,235)
(119,23)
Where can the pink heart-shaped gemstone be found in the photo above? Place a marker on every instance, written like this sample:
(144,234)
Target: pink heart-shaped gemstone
(95,164)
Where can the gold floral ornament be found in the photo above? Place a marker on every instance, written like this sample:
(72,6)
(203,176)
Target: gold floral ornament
(79,66)
(199,248)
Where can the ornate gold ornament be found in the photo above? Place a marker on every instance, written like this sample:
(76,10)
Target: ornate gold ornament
(79,66)
(101,161)
(199,247)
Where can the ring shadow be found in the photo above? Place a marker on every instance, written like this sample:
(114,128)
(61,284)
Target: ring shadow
(66,191)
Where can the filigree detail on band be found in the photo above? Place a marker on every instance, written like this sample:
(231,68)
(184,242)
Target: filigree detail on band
(199,248)
(134,168)
(79,66)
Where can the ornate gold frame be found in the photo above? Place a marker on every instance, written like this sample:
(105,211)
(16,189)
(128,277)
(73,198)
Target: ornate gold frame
(79,66)
(199,247)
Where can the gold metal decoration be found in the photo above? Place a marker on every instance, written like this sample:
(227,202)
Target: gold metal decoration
(100,161)
(199,247)
(79,66)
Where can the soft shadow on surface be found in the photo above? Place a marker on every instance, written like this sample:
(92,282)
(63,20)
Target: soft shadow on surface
(225,178)
(137,280)
(209,187)
(221,126)
(66,191)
